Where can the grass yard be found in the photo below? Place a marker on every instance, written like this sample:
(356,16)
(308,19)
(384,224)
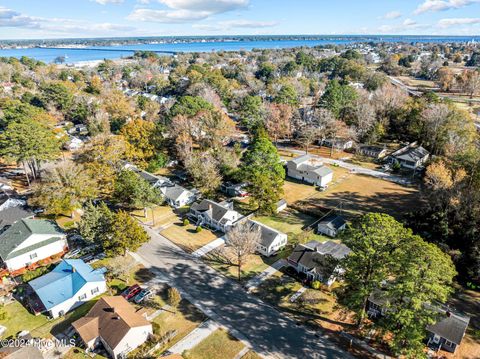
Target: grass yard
(219,260)
(186,319)
(18,318)
(218,345)
(157,216)
(187,238)
(292,223)
(78,353)
(317,305)
(251,355)
(360,194)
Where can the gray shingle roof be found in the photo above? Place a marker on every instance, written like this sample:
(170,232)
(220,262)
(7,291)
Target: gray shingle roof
(213,209)
(21,230)
(268,235)
(451,326)
(173,192)
(413,154)
(312,254)
(332,221)
(12,214)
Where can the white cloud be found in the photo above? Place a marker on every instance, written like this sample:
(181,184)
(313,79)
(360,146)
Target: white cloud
(211,6)
(235,24)
(391,15)
(407,26)
(12,18)
(105,2)
(182,11)
(445,23)
(442,5)
(167,16)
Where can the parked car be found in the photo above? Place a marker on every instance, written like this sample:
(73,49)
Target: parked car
(131,292)
(144,294)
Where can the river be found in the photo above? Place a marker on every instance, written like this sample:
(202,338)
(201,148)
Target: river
(76,55)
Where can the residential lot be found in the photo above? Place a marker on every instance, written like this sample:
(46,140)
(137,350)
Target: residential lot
(293,223)
(187,238)
(358,194)
(157,216)
(218,345)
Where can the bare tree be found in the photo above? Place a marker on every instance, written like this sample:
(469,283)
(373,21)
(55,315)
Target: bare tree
(316,124)
(469,82)
(279,121)
(242,240)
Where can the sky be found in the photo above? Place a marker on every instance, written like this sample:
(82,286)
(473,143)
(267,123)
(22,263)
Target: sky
(42,19)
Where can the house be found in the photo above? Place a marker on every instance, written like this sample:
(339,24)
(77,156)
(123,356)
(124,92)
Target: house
(234,189)
(70,284)
(411,156)
(281,205)
(446,333)
(271,240)
(331,225)
(73,144)
(338,143)
(115,324)
(28,241)
(309,169)
(177,196)
(219,216)
(374,152)
(7,202)
(11,215)
(318,260)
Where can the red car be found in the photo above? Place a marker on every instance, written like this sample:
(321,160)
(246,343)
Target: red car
(131,292)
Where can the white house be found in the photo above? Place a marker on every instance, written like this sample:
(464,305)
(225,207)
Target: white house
(70,284)
(271,240)
(219,216)
(177,196)
(331,225)
(114,323)
(28,241)
(411,156)
(309,169)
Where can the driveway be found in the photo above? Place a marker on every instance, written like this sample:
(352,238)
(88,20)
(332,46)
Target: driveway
(354,168)
(268,331)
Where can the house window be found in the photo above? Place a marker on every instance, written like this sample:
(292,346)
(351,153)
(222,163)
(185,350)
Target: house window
(82,297)
(33,255)
(448,343)
(95,290)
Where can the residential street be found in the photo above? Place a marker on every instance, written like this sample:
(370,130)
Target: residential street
(269,332)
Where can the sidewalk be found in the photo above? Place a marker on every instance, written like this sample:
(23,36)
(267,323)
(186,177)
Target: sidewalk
(209,247)
(267,273)
(297,295)
(195,337)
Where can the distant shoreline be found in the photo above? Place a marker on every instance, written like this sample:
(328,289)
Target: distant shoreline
(123,41)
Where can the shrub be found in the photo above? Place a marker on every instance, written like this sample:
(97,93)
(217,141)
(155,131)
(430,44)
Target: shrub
(316,284)
(186,222)
(32,274)
(198,229)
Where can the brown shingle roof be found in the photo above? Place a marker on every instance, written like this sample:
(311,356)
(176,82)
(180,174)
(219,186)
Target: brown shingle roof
(110,318)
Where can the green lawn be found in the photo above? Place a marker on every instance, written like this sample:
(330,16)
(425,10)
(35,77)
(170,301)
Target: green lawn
(78,353)
(18,318)
(218,345)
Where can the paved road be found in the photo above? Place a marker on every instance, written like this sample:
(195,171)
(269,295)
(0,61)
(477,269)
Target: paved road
(269,332)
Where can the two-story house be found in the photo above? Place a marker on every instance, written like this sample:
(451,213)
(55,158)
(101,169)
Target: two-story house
(28,241)
(218,216)
(310,169)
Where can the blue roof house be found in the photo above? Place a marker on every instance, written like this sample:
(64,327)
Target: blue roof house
(70,284)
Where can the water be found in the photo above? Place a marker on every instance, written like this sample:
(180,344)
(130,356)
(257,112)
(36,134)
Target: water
(105,52)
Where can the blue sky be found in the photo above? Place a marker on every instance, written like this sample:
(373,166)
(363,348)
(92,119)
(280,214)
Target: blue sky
(103,18)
